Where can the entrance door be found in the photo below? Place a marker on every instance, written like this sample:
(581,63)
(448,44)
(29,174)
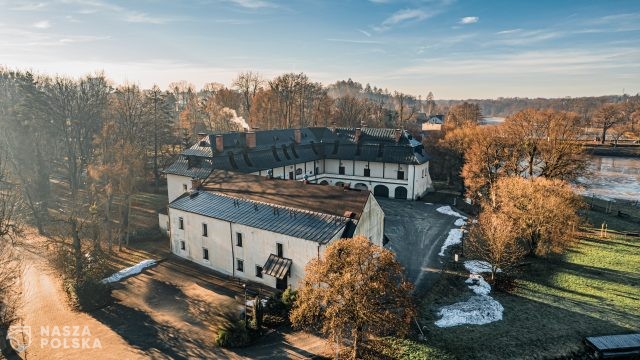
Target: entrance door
(381,190)
(281,284)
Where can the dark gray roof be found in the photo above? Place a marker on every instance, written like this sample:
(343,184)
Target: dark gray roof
(181,167)
(301,224)
(277,148)
(277,266)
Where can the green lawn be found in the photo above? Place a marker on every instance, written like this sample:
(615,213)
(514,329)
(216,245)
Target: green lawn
(594,289)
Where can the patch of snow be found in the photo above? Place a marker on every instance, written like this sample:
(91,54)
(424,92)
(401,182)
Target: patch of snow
(428,203)
(448,211)
(478,284)
(130,271)
(478,266)
(460,222)
(250,303)
(478,310)
(455,237)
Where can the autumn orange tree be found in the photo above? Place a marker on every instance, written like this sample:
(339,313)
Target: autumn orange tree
(489,156)
(355,291)
(543,211)
(494,239)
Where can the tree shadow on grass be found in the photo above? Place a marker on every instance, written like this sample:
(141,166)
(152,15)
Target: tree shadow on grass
(529,330)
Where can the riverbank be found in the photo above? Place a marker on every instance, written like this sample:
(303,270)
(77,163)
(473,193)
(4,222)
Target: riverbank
(625,150)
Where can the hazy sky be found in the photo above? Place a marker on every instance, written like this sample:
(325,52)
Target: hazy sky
(457,49)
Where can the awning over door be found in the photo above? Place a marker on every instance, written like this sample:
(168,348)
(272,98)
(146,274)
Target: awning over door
(277,266)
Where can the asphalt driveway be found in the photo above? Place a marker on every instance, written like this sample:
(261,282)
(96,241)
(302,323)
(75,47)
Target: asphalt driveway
(416,232)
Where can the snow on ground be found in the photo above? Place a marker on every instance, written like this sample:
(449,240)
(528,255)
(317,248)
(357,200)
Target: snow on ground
(130,271)
(448,211)
(478,310)
(455,237)
(478,284)
(478,266)
(459,222)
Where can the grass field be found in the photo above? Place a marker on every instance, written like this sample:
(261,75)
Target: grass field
(594,289)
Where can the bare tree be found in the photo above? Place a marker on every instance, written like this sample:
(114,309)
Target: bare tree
(11,225)
(405,107)
(248,83)
(607,116)
(494,239)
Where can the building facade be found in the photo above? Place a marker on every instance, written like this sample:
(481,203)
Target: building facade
(266,230)
(386,162)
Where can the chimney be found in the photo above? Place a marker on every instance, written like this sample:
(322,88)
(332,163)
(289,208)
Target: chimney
(219,143)
(398,135)
(297,136)
(251,139)
(358,133)
(195,184)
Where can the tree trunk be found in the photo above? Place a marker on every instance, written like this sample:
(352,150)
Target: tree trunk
(124,223)
(604,134)
(107,218)
(77,248)
(356,344)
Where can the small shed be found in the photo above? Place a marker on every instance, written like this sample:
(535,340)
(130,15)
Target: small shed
(626,346)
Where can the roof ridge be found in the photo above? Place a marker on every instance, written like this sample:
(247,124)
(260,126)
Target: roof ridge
(303,211)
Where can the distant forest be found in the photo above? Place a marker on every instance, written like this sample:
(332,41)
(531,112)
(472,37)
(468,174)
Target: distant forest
(503,107)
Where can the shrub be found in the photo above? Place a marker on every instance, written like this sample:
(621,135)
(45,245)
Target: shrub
(88,292)
(275,320)
(289,298)
(258,314)
(92,294)
(234,334)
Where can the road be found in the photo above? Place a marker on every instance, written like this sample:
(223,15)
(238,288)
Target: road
(416,232)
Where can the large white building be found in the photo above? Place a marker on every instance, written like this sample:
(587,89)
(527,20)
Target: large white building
(266,230)
(387,162)
(235,205)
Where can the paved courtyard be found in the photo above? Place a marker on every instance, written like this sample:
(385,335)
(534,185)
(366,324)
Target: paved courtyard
(416,232)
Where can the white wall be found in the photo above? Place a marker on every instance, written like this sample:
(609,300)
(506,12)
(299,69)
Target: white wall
(175,185)
(255,250)
(371,222)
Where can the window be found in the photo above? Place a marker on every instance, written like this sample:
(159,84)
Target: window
(341,170)
(280,249)
(298,171)
(183,246)
(239,239)
(367,172)
(240,265)
(317,170)
(259,271)
(205,230)
(400,175)
(205,254)
(181,223)
(184,187)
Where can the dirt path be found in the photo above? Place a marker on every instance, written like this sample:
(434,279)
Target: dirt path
(57,331)
(170,311)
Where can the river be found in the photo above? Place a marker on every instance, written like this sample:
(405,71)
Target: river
(613,178)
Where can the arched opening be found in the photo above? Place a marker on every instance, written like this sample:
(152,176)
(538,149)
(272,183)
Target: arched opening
(381,190)
(339,183)
(324,182)
(361,186)
(401,193)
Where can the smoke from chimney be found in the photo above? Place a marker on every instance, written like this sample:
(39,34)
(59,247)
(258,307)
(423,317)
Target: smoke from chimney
(234,118)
